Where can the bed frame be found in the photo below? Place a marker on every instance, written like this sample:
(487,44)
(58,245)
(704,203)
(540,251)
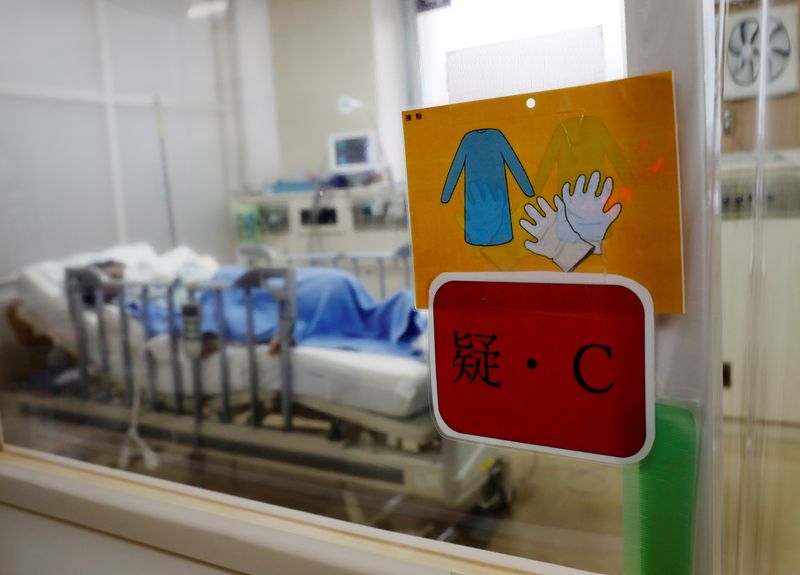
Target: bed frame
(82,281)
(404,455)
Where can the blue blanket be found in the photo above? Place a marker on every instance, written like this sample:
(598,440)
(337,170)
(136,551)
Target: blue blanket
(334,310)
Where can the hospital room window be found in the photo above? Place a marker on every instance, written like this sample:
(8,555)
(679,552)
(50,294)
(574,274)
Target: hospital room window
(206,265)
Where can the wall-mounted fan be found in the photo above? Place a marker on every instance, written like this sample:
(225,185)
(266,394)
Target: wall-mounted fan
(743,53)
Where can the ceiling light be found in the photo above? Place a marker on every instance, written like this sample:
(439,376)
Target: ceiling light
(207,9)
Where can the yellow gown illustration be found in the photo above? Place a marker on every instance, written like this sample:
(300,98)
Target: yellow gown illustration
(578,145)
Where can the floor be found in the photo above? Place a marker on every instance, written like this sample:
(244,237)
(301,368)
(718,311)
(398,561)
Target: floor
(772,514)
(565,510)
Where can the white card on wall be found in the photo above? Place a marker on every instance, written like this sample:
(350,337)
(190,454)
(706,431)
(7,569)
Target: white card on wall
(546,62)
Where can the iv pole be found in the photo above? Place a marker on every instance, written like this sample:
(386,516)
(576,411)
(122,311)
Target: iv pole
(162,153)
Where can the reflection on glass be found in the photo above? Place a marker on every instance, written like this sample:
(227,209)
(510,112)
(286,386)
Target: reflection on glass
(760,194)
(213,286)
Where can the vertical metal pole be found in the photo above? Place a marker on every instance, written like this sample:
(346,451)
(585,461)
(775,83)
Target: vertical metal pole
(75,295)
(356,270)
(102,343)
(223,358)
(177,372)
(162,153)
(407,271)
(382,276)
(286,311)
(251,356)
(151,366)
(126,346)
(197,376)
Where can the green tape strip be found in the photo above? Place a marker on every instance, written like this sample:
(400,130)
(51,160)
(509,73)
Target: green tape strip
(659,498)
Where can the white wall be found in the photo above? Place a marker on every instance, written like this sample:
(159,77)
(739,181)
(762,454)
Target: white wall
(159,53)
(54,180)
(258,116)
(81,163)
(53,159)
(322,50)
(325,49)
(780,380)
(392,77)
(58,42)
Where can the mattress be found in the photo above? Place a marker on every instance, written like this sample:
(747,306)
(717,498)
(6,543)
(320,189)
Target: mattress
(388,385)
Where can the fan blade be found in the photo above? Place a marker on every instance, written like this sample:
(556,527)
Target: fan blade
(776,27)
(755,33)
(740,67)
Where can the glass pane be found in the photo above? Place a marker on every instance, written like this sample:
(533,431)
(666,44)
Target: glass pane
(760,181)
(214,282)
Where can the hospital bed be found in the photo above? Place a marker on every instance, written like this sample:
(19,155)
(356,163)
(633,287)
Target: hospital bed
(339,414)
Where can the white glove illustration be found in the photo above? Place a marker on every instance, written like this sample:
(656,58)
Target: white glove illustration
(585,209)
(555,238)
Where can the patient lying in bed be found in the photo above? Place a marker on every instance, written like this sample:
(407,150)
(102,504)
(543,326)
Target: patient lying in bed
(334,310)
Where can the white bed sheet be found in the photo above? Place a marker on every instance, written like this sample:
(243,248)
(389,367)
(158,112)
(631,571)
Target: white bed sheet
(41,288)
(389,385)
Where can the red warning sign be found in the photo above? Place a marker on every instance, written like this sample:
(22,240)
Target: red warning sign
(561,363)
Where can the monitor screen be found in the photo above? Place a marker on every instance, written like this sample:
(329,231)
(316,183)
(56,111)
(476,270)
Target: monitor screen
(351,153)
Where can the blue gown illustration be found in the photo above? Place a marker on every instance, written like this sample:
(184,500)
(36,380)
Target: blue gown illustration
(483,155)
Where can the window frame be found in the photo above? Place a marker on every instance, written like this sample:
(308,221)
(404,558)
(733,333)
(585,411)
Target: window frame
(227,531)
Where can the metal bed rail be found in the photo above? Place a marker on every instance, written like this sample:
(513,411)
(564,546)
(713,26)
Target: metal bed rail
(354,261)
(83,282)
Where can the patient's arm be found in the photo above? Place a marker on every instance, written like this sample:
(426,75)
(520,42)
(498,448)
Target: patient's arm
(274,346)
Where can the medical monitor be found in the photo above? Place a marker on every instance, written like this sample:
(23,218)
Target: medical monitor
(352,152)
